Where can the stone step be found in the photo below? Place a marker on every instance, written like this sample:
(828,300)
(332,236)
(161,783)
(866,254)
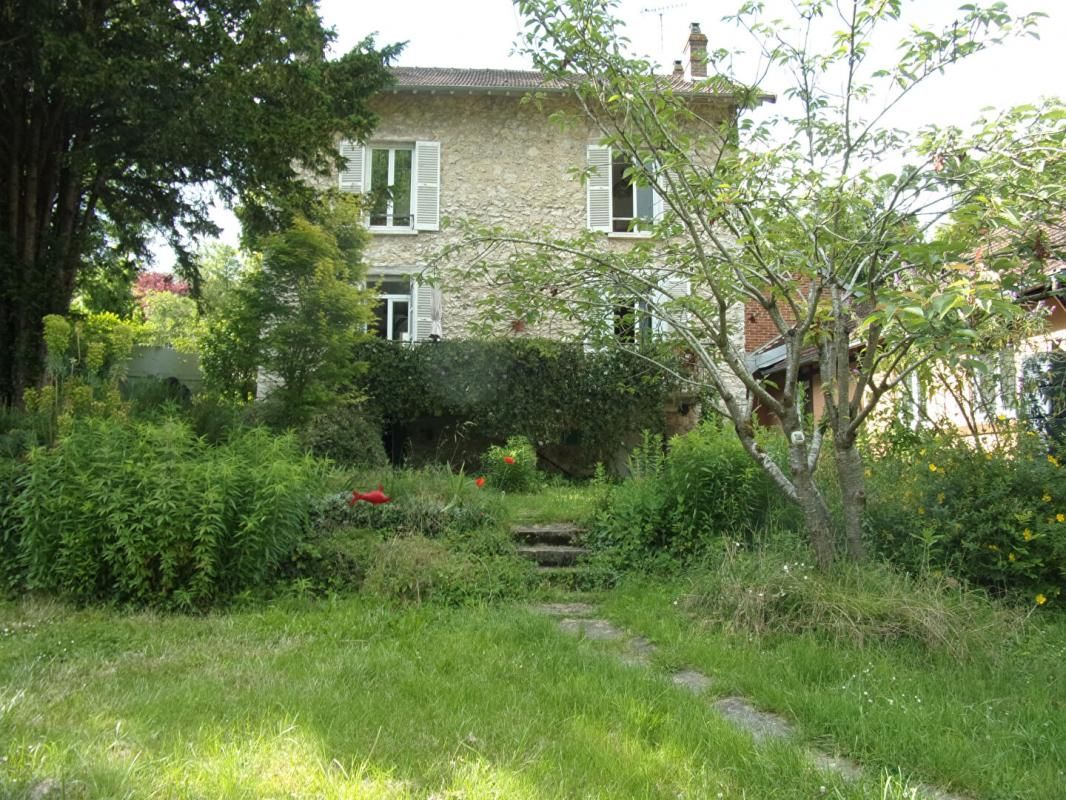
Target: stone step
(560,533)
(552,555)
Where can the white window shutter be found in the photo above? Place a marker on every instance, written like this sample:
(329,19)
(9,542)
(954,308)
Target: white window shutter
(598,188)
(351,175)
(427,186)
(423,313)
(656,196)
(672,289)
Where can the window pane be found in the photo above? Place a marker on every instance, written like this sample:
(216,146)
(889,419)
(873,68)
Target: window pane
(395,285)
(400,309)
(621,197)
(381,311)
(645,196)
(401,189)
(379,185)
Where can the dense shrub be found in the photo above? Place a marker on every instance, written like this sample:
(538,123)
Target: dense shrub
(679,502)
(332,560)
(513,467)
(347,435)
(997,517)
(551,392)
(150,514)
(11,563)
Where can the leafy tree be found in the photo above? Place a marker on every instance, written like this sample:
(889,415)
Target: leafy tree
(297,315)
(112,109)
(796,215)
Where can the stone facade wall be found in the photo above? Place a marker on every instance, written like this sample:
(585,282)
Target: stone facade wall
(502,163)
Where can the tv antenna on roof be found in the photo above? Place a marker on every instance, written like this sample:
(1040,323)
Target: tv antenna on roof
(660,10)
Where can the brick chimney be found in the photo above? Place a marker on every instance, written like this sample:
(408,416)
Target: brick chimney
(696,48)
(679,69)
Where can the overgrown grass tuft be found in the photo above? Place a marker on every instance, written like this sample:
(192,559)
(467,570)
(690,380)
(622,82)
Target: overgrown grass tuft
(769,592)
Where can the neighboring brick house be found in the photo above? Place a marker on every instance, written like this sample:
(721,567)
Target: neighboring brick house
(462,143)
(969,403)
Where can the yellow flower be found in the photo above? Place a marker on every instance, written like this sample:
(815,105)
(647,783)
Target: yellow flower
(1040,599)
(1060,518)
(932,467)
(1053,460)
(993,548)
(940,497)
(921,511)
(1001,417)
(1027,535)
(1046,498)
(1010,557)
(921,452)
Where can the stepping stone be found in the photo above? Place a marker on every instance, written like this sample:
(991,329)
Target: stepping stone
(549,533)
(565,609)
(844,767)
(760,724)
(595,629)
(695,682)
(552,555)
(638,652)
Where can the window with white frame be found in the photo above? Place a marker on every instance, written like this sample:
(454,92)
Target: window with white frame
(393,313)
(391,187)
(406,311)
(620,196)
(631,201)
(401,181)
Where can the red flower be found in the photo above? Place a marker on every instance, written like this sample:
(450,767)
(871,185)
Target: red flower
(479,482)
(508,460)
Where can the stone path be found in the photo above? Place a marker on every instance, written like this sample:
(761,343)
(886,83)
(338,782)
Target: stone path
(579,619)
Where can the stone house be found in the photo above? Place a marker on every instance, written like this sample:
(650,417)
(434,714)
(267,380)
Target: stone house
(465,144)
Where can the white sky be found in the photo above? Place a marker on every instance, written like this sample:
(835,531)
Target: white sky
(481,33)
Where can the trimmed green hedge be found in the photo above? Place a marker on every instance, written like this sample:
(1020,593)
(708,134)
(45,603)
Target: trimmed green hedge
(551,392)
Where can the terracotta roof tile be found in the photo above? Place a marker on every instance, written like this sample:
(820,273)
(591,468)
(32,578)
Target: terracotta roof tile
(501,79)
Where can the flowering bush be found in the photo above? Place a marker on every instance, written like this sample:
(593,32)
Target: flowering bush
(996,517)
(513,467)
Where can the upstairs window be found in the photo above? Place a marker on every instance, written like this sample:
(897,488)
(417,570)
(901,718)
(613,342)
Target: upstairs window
(401,181)
(630,203)
(617,202)
(390,187)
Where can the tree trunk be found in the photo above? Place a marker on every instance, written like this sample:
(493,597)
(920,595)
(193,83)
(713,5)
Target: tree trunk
(853,496)
(816,517)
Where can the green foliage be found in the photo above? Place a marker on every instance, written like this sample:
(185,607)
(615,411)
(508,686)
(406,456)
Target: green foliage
(85,361)
(682,501)
(513,467)
(297,317)
(773,590)
(428,502)
(144,101)
(548,391)
(416,569)
(11,566)
(995,516)
(171,320)
(332,560)
(149,514)
(347,435)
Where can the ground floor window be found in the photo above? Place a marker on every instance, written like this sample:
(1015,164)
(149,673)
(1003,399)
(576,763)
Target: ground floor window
(393,313)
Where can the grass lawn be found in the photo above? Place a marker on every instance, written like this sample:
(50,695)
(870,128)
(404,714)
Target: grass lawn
(990,725)
(352,699)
